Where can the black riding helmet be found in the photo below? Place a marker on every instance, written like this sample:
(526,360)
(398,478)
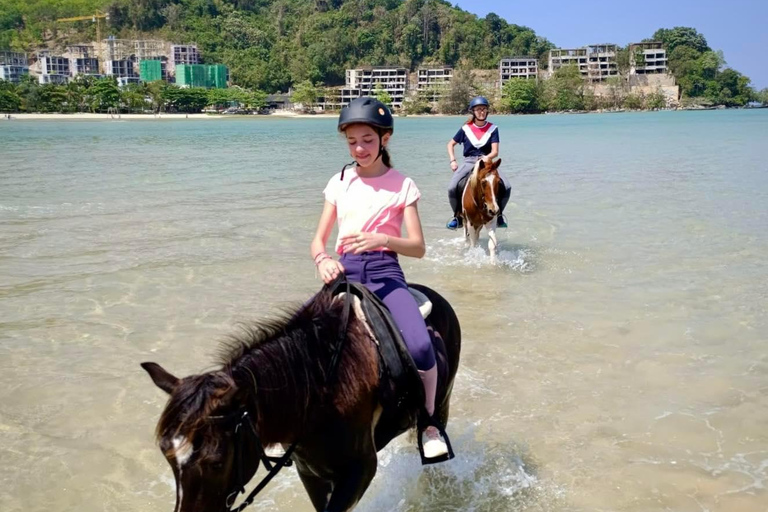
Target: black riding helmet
(368,111)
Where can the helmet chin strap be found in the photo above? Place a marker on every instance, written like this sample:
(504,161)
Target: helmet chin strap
(381,152)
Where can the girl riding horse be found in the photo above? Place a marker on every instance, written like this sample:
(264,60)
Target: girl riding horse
(370,201)
(481,141)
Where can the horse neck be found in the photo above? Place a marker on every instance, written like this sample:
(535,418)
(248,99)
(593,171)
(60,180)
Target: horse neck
(283,385)
(477,191)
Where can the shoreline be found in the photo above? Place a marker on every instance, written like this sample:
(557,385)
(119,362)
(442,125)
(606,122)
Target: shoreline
(85,116)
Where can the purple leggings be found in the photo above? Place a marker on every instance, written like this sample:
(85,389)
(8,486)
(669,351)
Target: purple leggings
(380,272)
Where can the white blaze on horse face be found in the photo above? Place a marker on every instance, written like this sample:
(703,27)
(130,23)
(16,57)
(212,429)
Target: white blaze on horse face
(182,450)
(490,179)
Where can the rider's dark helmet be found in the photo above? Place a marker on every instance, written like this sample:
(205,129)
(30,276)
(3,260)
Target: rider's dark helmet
(478,101)
(368,111)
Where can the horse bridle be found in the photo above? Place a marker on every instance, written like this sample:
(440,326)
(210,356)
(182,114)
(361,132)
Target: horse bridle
(242,419)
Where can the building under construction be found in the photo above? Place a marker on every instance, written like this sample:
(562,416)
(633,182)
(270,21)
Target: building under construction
(596,62)
(83,60)
(13,65)
(647,58)
(184,54)
(52,69)
(213,76)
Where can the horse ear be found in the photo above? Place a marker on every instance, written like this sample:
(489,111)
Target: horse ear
(160,377)
(481,164)
(497,164)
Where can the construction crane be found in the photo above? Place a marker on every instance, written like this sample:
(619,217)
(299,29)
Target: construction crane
(95,18)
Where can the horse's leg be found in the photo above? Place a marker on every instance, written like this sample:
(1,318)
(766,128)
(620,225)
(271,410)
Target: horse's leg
(317,488)
(492,242)
(474,236)
(350,485)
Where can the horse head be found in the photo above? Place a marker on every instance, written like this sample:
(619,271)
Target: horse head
(486,184)
(209,438)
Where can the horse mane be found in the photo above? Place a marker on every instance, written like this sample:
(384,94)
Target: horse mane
(474,177)
(280,366)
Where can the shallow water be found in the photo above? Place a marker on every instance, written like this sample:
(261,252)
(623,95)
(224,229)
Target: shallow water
(613,360)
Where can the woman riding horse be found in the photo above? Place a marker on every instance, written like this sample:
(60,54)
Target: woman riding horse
(481,141)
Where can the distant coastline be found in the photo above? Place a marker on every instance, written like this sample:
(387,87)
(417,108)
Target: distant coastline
(83,116)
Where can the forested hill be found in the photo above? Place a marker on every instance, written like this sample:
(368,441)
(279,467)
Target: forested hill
(272,44)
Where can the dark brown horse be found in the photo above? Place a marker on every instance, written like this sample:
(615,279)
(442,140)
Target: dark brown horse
(480,204)
(274,387)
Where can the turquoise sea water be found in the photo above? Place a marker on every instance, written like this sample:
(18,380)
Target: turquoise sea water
(613,360)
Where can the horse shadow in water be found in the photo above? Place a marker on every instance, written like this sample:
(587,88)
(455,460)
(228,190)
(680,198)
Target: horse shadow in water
(480,204)
(283,382)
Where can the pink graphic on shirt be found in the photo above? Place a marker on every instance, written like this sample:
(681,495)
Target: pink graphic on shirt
(373,205)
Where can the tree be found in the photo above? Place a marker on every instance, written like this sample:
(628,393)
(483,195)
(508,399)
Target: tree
(103,95)
(134,97)
(382,95)
(566,89)
(656,100)
(617,88)
(10,101)
(681,36)
(634,101)
(456,100)
(521,96)
(732,88)
(305,93)
(762,97)
(191,100)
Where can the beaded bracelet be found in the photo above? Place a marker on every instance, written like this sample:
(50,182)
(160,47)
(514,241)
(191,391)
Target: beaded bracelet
(321,257)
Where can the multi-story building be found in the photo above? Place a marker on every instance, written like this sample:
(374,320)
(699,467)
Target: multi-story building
(601,62)
(83,60)
(121,68)
(518,67)
(184,54)
(434,81)
(595,62)
(647,58)
(561,57)
(13,65)
(392,79)
(53,69)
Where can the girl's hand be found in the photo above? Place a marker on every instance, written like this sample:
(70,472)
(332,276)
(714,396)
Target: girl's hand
(454,165)
(330,269)
(357,243)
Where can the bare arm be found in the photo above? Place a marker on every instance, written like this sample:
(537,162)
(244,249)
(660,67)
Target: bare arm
(452,155)
(494,152)
(328,267)
(324,228)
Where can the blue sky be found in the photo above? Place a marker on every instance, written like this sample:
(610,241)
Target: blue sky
(738,27)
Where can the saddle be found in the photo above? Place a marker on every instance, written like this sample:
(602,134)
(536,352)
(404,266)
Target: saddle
(401,392)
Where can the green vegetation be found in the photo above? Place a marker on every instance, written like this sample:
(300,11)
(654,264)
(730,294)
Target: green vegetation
(276,45)
(86,94)
(699,70)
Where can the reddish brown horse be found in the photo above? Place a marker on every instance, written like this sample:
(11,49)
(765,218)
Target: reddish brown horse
(275,388)
(480,204)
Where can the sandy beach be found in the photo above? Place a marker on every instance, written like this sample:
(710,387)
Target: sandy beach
(85,116)
(108,117)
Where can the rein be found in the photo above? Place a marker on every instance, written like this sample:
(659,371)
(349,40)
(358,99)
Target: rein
(243,418)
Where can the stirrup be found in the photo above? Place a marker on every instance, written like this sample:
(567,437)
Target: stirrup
(501,222)
(424,422)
